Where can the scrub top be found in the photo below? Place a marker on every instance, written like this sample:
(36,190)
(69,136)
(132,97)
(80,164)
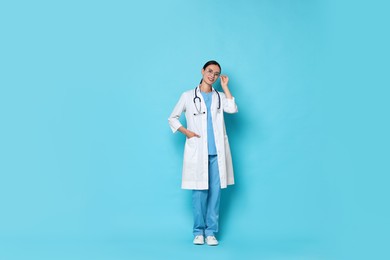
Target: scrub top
(210,131)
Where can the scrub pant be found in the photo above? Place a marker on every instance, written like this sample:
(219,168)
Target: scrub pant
(205,203)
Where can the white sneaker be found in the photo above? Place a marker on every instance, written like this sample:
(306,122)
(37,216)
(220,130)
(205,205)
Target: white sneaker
(199,240)
(211,241)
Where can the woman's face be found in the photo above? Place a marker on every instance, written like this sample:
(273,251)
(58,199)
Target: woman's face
(211,74)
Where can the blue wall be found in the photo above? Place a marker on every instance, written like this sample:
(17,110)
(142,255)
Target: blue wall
(90,169)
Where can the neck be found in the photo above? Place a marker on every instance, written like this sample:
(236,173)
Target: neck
(204,87)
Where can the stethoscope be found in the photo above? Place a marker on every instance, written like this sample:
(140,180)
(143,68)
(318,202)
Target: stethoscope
(196,98)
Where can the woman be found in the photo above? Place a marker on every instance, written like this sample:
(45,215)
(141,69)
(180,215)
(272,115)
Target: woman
(207,164)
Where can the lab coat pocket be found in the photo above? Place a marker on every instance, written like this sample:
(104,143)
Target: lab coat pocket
(228,163)
(190,162)
(228,155)
(190,149)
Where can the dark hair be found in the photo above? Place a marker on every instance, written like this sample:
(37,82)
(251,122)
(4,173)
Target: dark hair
(210,62)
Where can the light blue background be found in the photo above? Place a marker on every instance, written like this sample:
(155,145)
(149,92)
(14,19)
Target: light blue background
(90,170)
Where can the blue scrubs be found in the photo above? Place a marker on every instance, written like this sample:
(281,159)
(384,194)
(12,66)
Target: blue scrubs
(208,97)
(206,202)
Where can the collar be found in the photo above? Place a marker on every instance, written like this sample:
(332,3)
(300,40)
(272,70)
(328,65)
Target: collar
(198,89)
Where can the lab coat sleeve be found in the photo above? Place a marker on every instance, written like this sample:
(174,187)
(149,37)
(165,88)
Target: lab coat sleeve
(173,119)
(229,105)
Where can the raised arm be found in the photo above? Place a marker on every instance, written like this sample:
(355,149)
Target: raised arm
(228,100)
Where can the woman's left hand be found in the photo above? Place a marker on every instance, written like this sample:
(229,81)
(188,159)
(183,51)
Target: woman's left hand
(224,84)
(224,81)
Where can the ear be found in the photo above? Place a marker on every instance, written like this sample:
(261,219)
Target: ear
(202,71)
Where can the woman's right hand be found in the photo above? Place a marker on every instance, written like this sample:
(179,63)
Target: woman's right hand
(187,132)
(191,134)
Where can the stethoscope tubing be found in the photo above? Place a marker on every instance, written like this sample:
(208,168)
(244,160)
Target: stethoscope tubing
(200,101)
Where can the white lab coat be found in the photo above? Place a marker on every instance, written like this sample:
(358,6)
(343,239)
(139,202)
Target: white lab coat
(195,162)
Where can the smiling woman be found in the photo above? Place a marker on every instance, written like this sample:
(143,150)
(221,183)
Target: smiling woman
(207,164)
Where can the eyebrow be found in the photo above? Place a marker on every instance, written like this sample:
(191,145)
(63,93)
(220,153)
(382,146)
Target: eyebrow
(214,71)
